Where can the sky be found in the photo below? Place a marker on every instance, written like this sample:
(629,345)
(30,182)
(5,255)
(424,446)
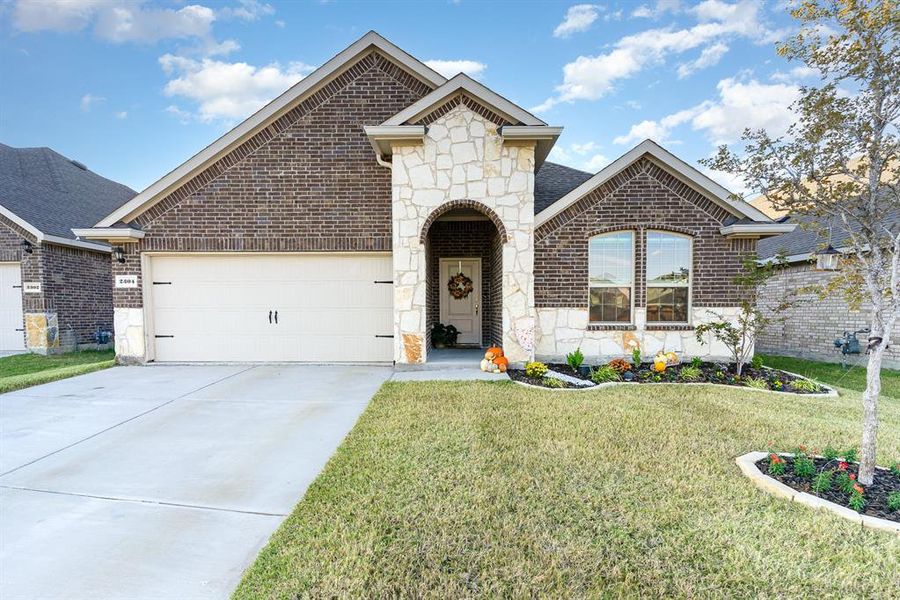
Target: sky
(133,89)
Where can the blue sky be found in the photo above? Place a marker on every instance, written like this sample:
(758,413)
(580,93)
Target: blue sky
(133,89)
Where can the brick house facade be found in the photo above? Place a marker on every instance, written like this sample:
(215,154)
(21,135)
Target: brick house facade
(375,157)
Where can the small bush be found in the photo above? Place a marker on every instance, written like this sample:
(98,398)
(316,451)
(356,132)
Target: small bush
(804,385)
(830,453)
(895,468)
(851,455)
(776,464)
(845,481)
(757,383)
(804,466)
(893,502)
(553,382)
(691,373)
(696,362)
(822,481)
(574,359)
(536,369)
(756,362)
(605,374)
(857,502)
(620,365)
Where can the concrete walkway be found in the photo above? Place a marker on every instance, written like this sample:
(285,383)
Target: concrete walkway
(163,481)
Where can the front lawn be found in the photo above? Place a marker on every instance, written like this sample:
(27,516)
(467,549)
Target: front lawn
(448,489)
(25,370)
(853,378)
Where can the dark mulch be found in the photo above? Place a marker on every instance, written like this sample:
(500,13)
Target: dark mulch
(725,374)
(876,495)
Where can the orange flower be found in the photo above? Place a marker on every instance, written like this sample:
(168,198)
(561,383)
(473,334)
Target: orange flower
(858,488)
(853,476)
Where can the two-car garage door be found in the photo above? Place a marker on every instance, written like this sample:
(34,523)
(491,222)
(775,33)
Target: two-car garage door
(279,307)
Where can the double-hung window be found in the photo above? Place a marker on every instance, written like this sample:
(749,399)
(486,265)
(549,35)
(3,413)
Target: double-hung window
(669,260)
(611,277)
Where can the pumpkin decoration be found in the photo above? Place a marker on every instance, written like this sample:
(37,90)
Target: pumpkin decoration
(501,363)
(494,351)
(494,361)
(660,362)
(672,358)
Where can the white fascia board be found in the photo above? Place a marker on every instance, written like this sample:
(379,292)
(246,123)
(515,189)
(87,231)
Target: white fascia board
(109,233)
(718,193)
(37,233)
(61,241)
(269,113)
(757,229)
(544,136)
(464,83)
(381,136)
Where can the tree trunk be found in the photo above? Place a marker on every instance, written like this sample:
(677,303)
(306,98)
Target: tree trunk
(870,415)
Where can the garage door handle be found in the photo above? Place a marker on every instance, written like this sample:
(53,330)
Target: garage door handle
(270,317)
(276,317)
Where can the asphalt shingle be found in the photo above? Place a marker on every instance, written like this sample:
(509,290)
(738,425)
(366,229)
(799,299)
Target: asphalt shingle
(554,181)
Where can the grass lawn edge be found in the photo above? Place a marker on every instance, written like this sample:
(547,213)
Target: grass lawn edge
(19,382)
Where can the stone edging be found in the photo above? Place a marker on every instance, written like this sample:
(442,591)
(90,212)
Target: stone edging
(831,393)
(747,464)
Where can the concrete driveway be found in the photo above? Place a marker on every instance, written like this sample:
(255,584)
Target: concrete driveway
(162,481)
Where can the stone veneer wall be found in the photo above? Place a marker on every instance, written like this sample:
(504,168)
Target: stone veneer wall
(809,328)
(643,197)
(466,239)
(463,159)
(306,183)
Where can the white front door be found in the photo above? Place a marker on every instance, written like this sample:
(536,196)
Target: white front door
(464,313)
(282,307)
(12,321)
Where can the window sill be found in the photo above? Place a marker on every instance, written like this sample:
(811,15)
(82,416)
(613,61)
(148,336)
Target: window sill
(669,327)
(611,327)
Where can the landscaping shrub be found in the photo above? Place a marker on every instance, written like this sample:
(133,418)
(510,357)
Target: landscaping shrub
(757,383)
(536,369)
(690,374)
(894,501)
(804,385)
(605,374)
(553,382)
(574,359)
(619,365)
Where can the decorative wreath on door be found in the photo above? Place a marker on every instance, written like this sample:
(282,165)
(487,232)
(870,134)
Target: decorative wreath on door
(460,286)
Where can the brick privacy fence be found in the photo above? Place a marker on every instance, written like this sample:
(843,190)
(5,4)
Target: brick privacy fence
(810,327)
(467,239)
(76,284)
(307,183)
(640,198)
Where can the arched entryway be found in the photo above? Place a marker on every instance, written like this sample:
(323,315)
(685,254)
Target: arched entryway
(463,241)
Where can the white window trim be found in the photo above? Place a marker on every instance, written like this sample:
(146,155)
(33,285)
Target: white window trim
(689,285)
(631,321)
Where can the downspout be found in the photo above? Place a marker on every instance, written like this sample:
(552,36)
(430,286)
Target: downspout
(383,162)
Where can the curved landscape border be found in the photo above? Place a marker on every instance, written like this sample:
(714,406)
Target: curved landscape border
(747,464)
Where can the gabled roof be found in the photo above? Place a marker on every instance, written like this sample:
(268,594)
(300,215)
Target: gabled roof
(689,174)
(553,181)
(462,83)
(269,113)
(48,194)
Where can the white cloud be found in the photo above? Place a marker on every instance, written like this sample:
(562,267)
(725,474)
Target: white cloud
(660,8)
(710,56)
(796,74)
(740,104)
(122,115)
(449,68)
(280,24)
(578,18)
(89,100)
(54,15)
(583,148)
(592,77)
(595,163)
(574,155)
(733,183)
(132,23)
(248,10)
(223,90)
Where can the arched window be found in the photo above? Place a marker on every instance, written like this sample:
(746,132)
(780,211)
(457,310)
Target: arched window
(611,277)
(669,261)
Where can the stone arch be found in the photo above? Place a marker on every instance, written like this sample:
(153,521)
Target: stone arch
(452,204)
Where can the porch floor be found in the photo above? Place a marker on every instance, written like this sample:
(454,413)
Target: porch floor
(447,364)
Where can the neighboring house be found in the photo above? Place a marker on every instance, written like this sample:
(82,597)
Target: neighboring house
(376,198)
(55,290)
(808,329)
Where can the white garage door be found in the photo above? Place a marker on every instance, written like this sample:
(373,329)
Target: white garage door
(12,323)
(243,307)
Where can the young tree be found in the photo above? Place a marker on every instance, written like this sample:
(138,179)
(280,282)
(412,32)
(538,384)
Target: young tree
(839,162)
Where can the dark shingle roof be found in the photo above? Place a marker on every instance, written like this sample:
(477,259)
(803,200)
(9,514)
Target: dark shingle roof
(53,193)
(812,235)
(554,181)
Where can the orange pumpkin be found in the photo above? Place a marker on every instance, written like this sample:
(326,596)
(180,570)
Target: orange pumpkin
(495,351)
(501,362)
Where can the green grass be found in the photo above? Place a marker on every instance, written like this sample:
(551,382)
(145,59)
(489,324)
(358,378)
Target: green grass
(489,490)
(25,370)
(853,378)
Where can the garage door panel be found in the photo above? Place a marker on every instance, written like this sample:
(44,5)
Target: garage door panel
(12,337)
(216,307)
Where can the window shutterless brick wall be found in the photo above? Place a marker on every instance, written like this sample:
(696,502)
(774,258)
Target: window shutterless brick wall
(467,239)
(76,284)
(809,327)
(641,198)
(307,182)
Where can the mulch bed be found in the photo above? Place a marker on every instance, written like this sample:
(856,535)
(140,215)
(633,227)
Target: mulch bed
(775,380)
(876,495)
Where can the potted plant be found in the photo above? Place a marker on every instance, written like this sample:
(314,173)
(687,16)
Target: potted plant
(443,336)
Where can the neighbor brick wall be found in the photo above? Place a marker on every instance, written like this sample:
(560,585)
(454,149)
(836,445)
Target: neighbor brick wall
(308,182)
(467,239)
(809,327)
(75,283)
(640,198)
